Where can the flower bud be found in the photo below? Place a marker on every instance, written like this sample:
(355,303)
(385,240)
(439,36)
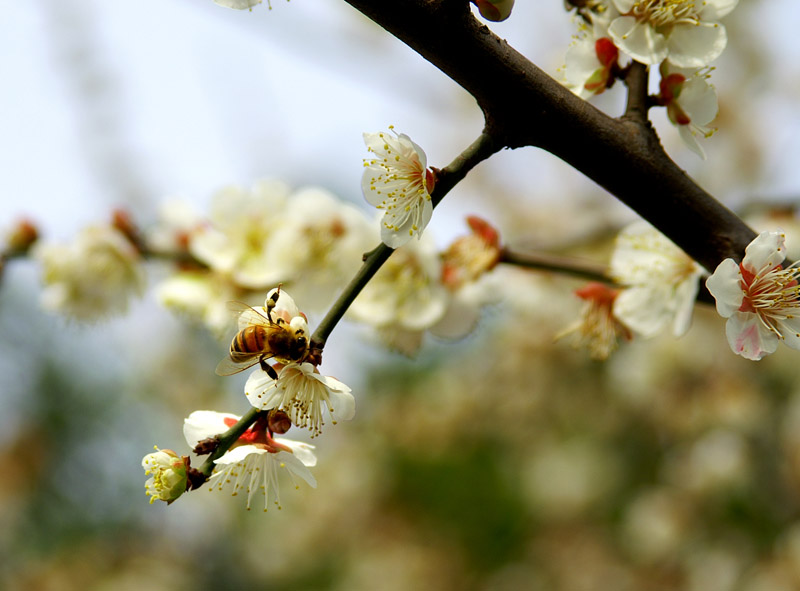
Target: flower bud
(279,422)
(22,236)
(168,478)
(494,10)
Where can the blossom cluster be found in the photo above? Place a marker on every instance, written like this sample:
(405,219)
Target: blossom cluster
(310,243)
(682,37)
(658,284)
(657,288)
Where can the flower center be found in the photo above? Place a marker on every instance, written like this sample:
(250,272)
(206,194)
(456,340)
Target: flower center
(659,13)
(774,296)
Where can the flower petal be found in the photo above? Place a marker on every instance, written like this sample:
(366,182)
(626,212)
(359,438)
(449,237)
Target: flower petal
(202,424)
(640,41)
(694,45)
(765,252)
(725,285)
(301,450)
(644,310)
(685,296)
(713,10)
(690,141)
(748,337)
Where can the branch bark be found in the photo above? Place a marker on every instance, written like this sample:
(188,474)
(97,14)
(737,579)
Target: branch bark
(523,106)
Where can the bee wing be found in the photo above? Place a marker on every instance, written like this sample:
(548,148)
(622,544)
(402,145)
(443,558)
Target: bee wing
(249,316)
(235,363)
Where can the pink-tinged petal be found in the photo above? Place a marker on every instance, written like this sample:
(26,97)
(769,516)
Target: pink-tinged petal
(694,45)
(285,306)
(748,337)
(725,285)
(765,252)
(412,145)
(640,41)
(202,424)
(715,9)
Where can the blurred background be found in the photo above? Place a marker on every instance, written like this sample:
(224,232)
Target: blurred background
(504,461)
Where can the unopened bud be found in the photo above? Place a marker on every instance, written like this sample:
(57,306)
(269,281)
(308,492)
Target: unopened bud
(168,479)
(494,10)
(279,422)
(22,237)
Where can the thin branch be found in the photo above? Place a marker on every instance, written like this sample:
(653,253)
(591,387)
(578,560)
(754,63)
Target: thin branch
(564,265)
(227,439)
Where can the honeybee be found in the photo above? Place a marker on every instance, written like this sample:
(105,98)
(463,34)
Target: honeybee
(264,335)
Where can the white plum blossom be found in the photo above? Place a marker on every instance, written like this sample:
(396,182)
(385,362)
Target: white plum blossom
(660,280)
(592,56)
(169,476)
(319,246)
(691,103)
(202,296)
(685,32)
(237,241)
(177,221)
(760,299)
(91,277)
(397,181)
(589,64)
(303,393)
(406,296)
(253,463)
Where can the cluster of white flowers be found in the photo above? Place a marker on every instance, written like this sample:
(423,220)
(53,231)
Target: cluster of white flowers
(92,277)
(417,290)
(658,285)
(276,332)
(308,240)
(253,462)
(759,297)
(682,36)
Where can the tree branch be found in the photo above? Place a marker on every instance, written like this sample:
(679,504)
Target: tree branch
(523,106)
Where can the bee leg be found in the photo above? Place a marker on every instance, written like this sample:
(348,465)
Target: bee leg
(273,301)
(268,368)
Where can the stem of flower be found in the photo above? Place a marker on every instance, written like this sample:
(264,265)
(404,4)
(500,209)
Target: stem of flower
(446,178)
(227,439)
(564,265)
(636,80)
